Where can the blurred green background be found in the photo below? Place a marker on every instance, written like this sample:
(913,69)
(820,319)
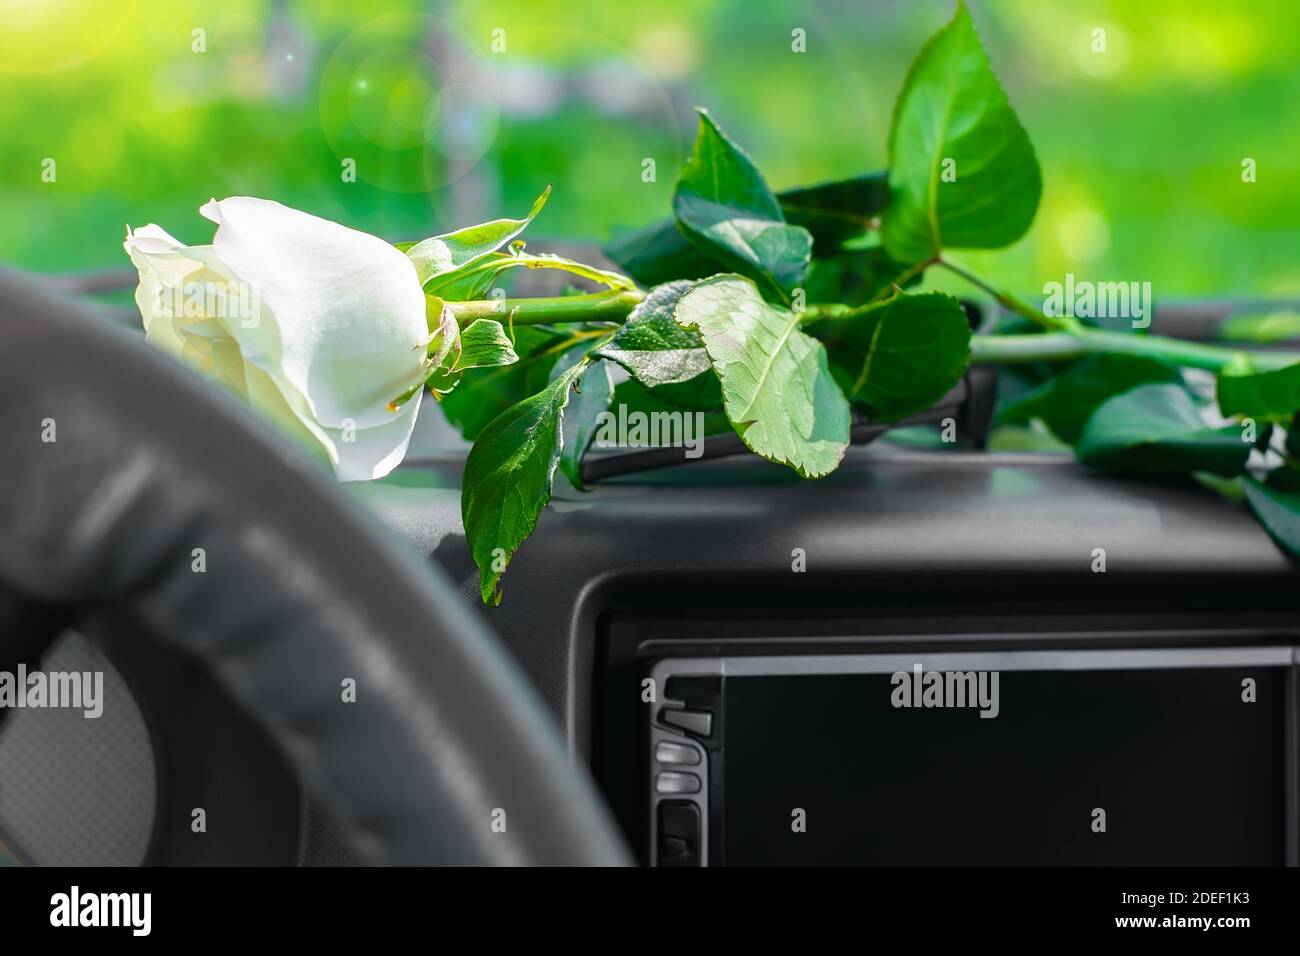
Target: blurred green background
(150,107)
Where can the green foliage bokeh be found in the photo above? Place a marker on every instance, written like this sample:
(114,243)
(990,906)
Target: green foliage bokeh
(1141,146)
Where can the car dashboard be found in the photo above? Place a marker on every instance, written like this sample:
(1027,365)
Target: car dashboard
(680,613)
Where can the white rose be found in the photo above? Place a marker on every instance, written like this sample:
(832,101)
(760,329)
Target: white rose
(316,325)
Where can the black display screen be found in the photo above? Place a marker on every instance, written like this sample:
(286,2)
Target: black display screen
(1186,771)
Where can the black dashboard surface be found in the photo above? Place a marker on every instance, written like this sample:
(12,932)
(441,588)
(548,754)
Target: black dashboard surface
(895,542)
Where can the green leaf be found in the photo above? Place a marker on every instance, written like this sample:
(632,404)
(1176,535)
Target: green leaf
(777,387)
(483,344)
(453,251)
(487,393)
(952,119)
(1278,510)
(719,171)
(661,355)
(474,280)
(638,398)
(855,277)
(1065,402)
(1155,429)
(592,395)
(723,204)
(508,476)
(836,211)
(1244,391)
(833,212)
(1286,477)
(660,253)
(900,356)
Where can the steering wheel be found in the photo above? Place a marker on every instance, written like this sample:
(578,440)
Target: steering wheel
(117,464)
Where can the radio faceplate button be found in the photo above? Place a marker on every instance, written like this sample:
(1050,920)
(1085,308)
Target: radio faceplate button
(671,781)
(668,752)
(698,722)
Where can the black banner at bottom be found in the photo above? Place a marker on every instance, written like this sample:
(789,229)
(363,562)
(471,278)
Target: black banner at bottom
(334,905)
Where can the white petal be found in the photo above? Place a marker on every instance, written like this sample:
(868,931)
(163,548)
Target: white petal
(377,450)
(166,268)
(267,398)
(347,311)
(358,455)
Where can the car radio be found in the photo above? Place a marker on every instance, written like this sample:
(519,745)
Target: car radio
(1164,756)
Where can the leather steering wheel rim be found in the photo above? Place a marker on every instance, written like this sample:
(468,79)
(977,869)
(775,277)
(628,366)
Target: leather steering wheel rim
(446,756)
